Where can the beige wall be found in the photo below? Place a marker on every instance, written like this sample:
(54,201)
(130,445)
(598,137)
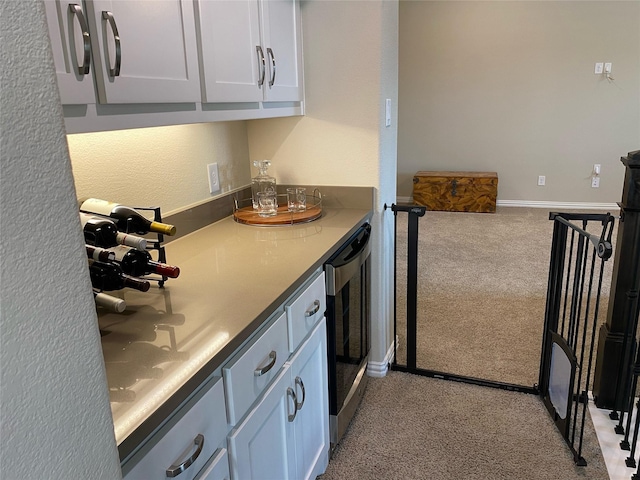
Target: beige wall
(54,404)
(510,87)
(350,60)
(163,166)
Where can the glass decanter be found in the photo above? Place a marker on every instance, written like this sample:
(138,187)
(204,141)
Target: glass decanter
(262,182)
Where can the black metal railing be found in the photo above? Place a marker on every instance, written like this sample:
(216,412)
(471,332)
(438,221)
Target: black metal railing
(572,315)
(628,423)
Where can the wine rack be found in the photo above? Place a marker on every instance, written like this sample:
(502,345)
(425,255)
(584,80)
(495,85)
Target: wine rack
(156,243)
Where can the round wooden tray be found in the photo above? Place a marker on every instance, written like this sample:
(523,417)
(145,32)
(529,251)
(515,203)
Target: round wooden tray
(249,216)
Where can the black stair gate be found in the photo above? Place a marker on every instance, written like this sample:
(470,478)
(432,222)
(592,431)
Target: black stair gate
(571,317)
(571,320)
(414,212)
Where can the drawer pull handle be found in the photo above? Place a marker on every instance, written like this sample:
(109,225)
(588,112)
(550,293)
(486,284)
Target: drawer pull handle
(258,372)
(175,470)
(314,310)
(292,394)
(304,394)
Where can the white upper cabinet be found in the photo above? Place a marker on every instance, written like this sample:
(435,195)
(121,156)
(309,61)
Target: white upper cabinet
(229,40)
(71,46)
(249,50)
(144,51)
(281,39)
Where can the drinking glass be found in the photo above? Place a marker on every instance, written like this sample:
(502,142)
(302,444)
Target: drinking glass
(267,204)
(296,199)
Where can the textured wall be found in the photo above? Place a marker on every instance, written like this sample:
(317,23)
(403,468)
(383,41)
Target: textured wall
(163,166)
(510,87)
(54,407)
(350,57)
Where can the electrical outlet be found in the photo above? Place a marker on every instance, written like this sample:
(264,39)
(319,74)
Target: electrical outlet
(541,180)
(598,68)
(595,182)
(607,67)
(214,178)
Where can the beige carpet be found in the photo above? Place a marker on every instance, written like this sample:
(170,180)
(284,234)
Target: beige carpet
(482,285)
(412,427)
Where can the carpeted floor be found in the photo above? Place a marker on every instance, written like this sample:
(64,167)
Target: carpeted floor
(482,291)
(482,285)
(412,428)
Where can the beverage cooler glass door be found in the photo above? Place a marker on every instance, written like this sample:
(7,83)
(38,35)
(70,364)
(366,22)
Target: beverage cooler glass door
(348,312)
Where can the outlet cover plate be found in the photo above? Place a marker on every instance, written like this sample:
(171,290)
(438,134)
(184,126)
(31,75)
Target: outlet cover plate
(541,180)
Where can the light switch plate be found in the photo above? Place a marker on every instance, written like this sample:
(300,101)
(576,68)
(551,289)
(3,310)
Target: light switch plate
(214,178)
(387,112)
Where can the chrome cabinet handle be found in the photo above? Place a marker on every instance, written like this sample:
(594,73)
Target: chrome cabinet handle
(115,71)
(304,394)
(261,71)
(292,416)
(76,11)
(311,312)
(258,372)
(175,470)
(273,66)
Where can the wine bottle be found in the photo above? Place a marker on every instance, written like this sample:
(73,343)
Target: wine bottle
(109,276)
(111,303)
(102,232)
(100,254)
(136,263)
(127,219)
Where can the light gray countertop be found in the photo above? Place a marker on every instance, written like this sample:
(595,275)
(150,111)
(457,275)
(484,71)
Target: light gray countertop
(233,277)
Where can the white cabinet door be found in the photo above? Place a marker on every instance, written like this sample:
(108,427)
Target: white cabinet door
(249,50)
(71,46)
(217,468)
(144,51)
(311,426)
(262,446)
(280,23)
(231,54)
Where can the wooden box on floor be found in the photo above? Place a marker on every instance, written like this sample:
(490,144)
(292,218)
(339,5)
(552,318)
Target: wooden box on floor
(456,191)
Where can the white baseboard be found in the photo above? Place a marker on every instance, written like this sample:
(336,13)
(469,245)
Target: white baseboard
(380,369)
(558,205)
(612,207)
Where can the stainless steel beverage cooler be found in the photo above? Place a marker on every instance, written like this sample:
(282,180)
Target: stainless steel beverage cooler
(348,277)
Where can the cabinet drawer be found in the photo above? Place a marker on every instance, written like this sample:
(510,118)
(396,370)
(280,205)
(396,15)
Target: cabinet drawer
(249,373)
(190,442)
(305,311)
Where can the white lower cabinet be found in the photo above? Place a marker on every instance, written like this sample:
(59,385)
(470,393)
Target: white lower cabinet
(271,411)
(311,426)
(286,435)
(261,447)
(185,444)
(217,468)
